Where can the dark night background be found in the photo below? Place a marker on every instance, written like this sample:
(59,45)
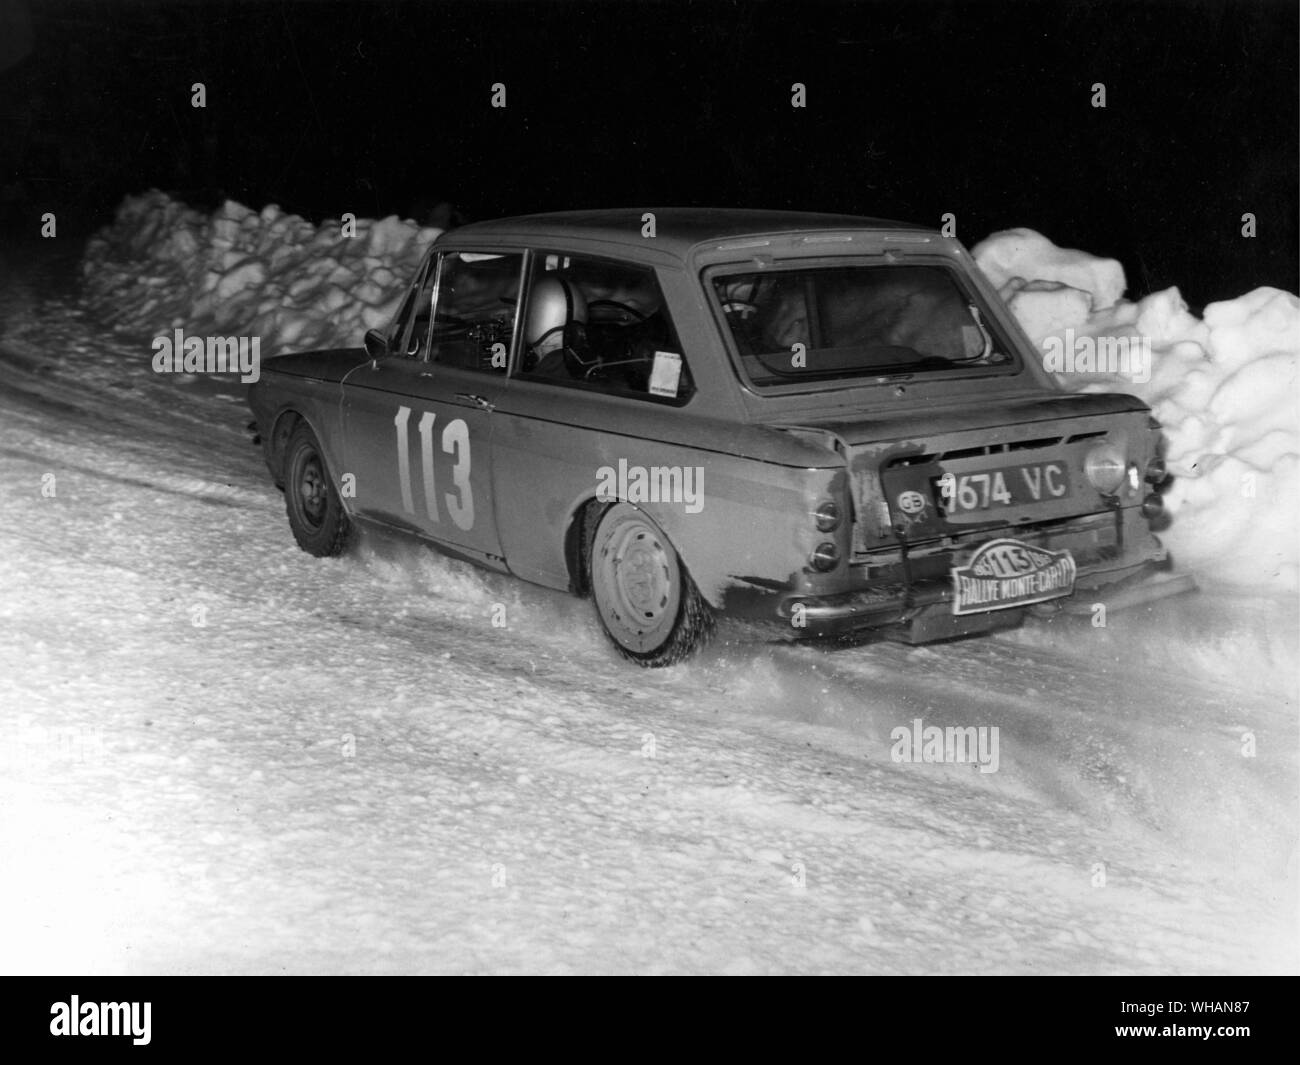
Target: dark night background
(914,109)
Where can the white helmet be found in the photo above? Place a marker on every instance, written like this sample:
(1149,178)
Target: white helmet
(553,307)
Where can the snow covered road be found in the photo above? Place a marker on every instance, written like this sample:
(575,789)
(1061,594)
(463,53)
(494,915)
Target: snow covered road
(223,755)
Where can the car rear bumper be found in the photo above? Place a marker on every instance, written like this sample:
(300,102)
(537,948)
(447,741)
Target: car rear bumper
(914,601)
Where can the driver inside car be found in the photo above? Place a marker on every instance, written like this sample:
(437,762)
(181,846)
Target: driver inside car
(556,331)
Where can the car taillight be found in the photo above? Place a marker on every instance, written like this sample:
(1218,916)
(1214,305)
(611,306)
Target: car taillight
(1105,468)
(828,516)
(825,557)
(1157,471)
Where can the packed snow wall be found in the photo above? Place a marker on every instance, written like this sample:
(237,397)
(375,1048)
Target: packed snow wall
(238,272)
(1223,386)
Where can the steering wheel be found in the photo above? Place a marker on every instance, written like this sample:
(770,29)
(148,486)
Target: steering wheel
(741,307)
(578,367)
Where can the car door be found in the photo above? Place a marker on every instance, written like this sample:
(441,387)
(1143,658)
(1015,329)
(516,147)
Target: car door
(602,404)
(419,419)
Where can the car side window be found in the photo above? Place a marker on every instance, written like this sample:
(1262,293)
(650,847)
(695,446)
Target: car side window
(467,316)
(603,326)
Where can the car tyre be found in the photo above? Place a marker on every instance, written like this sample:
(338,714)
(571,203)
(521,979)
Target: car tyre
(316,515)
(646,601)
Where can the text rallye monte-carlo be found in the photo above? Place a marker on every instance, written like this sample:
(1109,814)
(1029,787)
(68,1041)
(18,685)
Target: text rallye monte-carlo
(821,422)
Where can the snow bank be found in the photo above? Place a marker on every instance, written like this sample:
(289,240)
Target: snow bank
(1024,264)
(1222,387)
(238,272)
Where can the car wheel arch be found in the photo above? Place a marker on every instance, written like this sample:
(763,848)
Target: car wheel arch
(581,530)
(286,420)
(578,532)
(277,439)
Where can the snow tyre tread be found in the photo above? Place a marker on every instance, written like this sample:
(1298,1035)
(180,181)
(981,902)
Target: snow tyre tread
(330,533)
(693,624)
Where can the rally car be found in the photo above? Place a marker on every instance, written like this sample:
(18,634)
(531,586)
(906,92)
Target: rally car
(821,423)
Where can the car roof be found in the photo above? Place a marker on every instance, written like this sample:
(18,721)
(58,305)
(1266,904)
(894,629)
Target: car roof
(677,229)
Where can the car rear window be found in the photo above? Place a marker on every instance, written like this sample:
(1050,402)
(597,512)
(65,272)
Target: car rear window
(823,323)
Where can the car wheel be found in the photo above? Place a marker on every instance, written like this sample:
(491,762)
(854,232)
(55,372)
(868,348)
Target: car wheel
(316,515)
(646,601)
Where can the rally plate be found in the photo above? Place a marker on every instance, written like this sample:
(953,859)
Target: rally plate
(1008,573)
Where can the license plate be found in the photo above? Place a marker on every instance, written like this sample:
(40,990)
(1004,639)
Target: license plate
(1010,486)
(1007,573)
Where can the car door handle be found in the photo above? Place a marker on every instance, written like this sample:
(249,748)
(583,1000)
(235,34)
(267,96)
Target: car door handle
(478,401)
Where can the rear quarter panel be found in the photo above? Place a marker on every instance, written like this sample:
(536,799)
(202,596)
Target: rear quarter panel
(757,485)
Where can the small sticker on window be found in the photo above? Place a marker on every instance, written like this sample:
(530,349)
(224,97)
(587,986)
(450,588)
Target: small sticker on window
(665,375)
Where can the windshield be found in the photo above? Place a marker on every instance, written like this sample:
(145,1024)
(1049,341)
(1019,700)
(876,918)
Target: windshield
(819,324)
